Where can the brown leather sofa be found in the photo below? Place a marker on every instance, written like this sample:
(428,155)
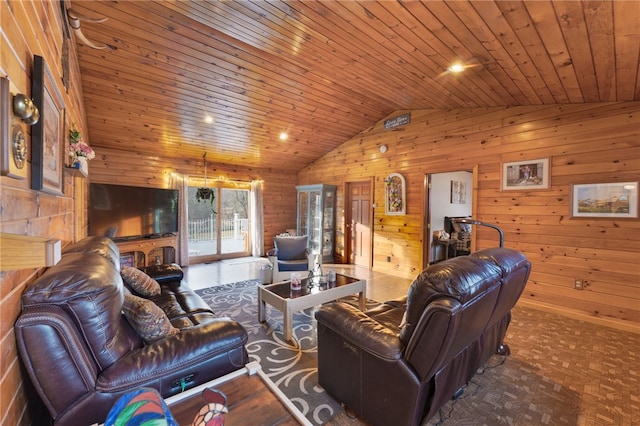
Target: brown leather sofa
(82,354)
(400,362)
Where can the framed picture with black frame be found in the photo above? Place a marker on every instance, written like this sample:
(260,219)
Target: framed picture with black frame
(47,136)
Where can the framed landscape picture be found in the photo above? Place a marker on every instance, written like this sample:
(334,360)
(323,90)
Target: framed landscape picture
(526,175)
(603,200)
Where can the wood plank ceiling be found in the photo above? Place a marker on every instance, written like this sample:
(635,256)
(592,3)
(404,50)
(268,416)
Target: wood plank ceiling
(323,71)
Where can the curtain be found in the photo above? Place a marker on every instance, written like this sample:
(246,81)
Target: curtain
(257,218)
(181,183)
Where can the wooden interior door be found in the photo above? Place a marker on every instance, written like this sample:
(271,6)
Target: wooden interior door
(358,223)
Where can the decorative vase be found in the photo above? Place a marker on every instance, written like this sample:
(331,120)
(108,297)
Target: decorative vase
(82,165)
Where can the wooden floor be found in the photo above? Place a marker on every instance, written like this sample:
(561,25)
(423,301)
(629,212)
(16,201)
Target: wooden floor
(380,287)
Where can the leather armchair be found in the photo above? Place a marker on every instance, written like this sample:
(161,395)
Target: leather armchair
(82,354)
(398,363)
(289,255)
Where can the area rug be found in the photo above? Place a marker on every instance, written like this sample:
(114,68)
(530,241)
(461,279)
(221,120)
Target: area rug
(293,366)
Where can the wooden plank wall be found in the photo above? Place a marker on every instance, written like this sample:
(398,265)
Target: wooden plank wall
(585,143)
(33,28)
(30,28)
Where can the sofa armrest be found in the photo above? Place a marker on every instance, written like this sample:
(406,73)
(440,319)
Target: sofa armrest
(361,330)
(165,272)
(177,356)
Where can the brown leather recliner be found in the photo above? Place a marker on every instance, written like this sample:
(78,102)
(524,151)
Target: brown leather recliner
(400,362)
(82,354)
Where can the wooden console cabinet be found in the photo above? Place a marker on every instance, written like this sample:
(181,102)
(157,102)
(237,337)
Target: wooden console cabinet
(148,251)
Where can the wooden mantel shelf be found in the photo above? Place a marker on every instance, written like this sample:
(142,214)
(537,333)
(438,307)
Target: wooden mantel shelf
(24,252)
(76,172)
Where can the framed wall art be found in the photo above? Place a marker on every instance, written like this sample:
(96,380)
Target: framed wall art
(526,175)
(458,192)
(127,260)
(605,200)
(47,136)
(395,194)
(13,153)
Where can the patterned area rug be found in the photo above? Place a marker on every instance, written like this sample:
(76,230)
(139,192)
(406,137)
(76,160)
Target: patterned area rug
(293,366)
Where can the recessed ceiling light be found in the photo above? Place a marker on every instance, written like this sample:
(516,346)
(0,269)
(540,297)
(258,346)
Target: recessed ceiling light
(455,68)
(209,119)
(284,136)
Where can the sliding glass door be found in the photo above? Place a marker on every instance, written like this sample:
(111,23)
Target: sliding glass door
(219,228)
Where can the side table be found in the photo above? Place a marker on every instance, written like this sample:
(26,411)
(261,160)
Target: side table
(447,244)
(251,395)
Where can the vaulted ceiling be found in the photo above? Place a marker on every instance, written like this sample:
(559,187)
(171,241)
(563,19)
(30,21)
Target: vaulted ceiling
(323,71)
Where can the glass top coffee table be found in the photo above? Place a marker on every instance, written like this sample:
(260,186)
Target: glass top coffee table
(288,301)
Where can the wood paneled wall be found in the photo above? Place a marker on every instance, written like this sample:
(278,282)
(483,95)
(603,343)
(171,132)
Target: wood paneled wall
(584,143)
(28,29)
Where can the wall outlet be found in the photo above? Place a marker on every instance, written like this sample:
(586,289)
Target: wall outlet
(578,284)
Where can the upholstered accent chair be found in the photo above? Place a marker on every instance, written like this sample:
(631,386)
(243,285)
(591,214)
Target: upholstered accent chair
(289,255)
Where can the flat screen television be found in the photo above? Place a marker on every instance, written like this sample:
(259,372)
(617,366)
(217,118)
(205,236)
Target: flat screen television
(128,212)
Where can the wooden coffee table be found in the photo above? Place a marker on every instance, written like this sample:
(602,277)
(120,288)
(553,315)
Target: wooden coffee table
(252,399)
(287,301)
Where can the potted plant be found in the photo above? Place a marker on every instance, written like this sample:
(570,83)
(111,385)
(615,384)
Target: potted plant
(79,151)
(205,193)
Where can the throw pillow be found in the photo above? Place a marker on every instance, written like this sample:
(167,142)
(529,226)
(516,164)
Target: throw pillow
(147,319)
(139,282)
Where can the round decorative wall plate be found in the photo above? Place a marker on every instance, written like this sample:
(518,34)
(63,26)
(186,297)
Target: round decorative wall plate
(18,147)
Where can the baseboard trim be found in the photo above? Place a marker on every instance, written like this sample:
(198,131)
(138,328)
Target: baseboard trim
(574,314)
